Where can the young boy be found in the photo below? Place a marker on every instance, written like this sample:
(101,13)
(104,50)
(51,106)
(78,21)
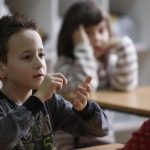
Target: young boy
(30,109)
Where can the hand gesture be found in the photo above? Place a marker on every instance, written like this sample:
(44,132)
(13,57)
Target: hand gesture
(80,35)
(112,43)
(82,95)
(51,83)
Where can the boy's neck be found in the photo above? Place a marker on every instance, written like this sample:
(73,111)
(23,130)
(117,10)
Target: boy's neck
(18,97)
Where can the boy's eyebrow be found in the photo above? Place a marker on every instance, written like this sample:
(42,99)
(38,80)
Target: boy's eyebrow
(29,51)
(41,49)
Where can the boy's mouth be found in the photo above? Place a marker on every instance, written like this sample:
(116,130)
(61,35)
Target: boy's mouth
(38,75)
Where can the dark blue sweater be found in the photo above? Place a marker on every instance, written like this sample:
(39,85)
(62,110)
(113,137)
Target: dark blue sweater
(31,126)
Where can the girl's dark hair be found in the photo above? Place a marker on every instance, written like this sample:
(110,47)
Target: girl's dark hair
(10,25)
(86,13)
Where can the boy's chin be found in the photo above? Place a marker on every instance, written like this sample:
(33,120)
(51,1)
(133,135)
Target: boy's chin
(36,87)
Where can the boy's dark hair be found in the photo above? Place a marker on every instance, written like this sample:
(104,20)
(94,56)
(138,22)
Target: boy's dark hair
(86,13)
(10,25)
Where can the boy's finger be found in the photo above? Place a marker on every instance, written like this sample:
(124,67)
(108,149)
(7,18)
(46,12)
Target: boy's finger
(63,77)
(87,80)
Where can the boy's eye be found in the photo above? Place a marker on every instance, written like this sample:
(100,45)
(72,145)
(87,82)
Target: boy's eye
(41,55)
(28,57)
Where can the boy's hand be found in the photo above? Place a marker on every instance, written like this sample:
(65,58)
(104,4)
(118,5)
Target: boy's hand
(52,82)
(82,95)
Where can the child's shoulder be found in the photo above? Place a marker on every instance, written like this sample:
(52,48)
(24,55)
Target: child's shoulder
(5,103)
(126,40)
(146,126)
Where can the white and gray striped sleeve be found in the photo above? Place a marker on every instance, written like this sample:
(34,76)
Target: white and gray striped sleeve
(76,71)
(125,76)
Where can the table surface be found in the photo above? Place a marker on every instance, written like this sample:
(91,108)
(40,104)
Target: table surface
(136,101)
(104,147)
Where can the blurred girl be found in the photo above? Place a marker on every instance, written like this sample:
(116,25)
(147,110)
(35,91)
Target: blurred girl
(87,46)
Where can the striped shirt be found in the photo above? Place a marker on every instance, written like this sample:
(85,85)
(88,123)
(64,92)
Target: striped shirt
(120,72)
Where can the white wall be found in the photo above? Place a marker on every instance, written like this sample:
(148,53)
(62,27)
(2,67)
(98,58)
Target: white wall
(65,4)
(44,12)
(144,67)
(139,11)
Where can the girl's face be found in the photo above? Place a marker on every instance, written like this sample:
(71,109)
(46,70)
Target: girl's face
(26,67)
(99,37)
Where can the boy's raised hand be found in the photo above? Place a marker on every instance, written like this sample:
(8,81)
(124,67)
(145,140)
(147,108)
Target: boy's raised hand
(82,95)
(51,83)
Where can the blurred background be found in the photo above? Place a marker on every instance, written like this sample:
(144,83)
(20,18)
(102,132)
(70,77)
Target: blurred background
(128,17)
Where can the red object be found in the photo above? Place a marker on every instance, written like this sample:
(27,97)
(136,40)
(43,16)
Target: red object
(141,139)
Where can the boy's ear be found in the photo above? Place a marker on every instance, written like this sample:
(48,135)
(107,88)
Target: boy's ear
(2,71)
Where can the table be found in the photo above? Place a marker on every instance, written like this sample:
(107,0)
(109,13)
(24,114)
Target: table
(104,147)
(135,102)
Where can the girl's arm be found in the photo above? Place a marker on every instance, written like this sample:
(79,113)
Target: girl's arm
(125,74)
(76,70)
(83,65)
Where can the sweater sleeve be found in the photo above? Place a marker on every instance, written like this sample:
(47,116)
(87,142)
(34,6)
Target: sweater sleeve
(77,70)
(125,75)
(90,122)
(15,123)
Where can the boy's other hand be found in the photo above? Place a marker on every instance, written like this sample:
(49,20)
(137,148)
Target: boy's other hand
(52,82)
(82,94)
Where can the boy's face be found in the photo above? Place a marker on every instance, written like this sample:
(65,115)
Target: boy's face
(26,65)
(99,37)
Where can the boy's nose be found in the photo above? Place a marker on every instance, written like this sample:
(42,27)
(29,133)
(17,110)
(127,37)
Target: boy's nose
(38,63)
